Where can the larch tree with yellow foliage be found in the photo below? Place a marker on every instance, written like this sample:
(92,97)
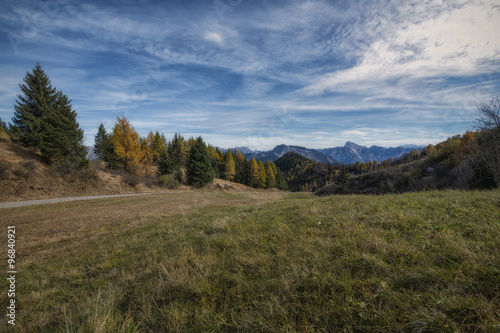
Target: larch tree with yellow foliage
(127,145)
(262,170)
(230,167)
(255,173)
(270,177)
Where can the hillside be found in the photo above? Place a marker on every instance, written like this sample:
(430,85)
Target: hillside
(24,177)
(457,163)
(302,173)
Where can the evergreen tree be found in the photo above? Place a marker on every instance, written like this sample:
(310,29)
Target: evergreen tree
(176,154)
(165,165)
(32,107)
(199,171)
(61,136)
(44,120)
(240,166)
(99,141)
(109,154)
(281,181)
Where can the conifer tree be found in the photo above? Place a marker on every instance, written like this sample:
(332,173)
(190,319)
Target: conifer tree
(255,177)
(199,171)
(157,145)
(99,141)
(230,168)
(239,165)
(271,178)
(61,136)
(147,154)
(281,181)
(44,120)
(165,165)
(109,154)
(176,154)
(215,156)
(32,107)
(127,145)
(105,149)
(262,170)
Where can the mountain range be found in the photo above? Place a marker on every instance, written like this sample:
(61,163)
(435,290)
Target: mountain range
(349,153)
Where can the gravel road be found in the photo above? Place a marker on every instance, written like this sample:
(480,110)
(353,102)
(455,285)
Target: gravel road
(55,200)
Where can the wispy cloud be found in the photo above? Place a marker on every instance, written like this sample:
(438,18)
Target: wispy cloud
(296,71)
(458,41)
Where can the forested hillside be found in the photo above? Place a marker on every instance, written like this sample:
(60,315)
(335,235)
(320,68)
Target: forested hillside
(45,123)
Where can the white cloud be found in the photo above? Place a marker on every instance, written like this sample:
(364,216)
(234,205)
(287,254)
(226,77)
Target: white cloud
(461,41)
(214,37)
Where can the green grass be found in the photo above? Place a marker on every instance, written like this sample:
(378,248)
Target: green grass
(422,262)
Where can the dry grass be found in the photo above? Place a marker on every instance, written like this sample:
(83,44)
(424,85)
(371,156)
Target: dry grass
(261,261)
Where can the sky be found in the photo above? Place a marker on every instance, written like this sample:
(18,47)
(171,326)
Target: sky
(249,73)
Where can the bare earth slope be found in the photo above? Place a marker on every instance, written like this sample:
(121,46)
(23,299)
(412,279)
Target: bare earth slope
(24,177)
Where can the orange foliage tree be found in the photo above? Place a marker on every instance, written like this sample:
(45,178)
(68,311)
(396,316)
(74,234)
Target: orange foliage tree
(128,146)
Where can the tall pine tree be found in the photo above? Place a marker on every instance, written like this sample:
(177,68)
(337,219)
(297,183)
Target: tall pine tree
(61,136)
(99,141)
(44,120)
(32,107)
(199,171)
(176,154)
(165,165)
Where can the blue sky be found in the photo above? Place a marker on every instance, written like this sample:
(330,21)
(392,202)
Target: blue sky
(261,73)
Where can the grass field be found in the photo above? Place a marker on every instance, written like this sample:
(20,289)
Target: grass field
(259,261)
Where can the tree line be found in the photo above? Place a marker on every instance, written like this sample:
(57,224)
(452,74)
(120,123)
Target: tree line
(189,160)
(44,121)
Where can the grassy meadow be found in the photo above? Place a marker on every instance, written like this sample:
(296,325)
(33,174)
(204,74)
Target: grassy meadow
(259,261)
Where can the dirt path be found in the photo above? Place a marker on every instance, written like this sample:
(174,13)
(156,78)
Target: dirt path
(56,200)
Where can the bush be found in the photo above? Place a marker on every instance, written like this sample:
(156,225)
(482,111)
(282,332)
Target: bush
(169,181)
(131,179)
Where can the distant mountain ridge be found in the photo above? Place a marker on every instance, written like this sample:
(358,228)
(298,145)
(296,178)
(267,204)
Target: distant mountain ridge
(349,153)
(353,153)
(278,151)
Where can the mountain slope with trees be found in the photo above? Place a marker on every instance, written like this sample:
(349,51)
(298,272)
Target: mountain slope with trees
(44,120)
(468,161)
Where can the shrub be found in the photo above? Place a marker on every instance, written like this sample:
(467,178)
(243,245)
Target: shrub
(169,181)
(131,179)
